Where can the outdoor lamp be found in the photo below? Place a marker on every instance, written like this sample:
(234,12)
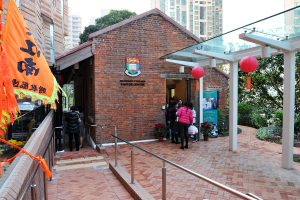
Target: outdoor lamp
(181,69)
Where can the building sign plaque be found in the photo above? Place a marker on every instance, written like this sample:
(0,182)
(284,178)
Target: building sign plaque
(132,67)
(132,82)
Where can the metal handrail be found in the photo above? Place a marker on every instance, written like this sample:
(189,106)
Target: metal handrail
(38,166)
(228,189)
(101,128)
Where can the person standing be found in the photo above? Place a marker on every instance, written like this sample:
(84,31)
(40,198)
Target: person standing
(174,122)
(194,119)
(73,127)
(180,104)
(168,118)
(185,115)
(81,126)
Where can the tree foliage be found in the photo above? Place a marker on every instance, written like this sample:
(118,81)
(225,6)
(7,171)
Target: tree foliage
(114,16)
(267,84)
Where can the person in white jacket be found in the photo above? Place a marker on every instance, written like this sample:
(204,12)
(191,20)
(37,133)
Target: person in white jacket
(194,119)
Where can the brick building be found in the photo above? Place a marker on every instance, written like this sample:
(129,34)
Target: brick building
(134,104)
(47,21)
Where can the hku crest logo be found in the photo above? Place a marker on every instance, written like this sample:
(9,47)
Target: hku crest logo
(132,67)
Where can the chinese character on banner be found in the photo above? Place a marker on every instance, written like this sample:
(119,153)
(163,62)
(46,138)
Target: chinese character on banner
(30,72)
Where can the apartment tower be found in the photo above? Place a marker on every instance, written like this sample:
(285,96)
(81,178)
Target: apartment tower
(203,18)
(74,30)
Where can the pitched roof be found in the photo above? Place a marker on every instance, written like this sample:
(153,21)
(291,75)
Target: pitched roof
(74,49)
(222,72)
(156,10)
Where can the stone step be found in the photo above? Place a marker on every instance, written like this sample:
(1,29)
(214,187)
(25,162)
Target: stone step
(79,160)
(78,166)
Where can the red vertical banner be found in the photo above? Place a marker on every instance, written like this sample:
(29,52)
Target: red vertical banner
(248,83)
(197,86)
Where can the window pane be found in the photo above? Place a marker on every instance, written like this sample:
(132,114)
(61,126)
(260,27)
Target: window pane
(297,12)
(297,21)
(62,7)
(183,2)
(52,54)
(52,35)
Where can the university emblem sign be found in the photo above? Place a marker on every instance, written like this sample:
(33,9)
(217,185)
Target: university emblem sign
(132,67)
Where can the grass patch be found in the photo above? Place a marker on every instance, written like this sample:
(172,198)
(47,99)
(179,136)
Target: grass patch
(297,160)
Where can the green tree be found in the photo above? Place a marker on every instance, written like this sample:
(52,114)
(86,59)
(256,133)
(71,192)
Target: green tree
(114,16)
(84,37)
(267,84)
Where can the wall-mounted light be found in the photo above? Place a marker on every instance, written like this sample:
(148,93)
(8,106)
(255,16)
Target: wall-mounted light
(213,62)
(181,69)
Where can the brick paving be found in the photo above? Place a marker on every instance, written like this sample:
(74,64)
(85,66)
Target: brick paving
(92,183)
(254,168)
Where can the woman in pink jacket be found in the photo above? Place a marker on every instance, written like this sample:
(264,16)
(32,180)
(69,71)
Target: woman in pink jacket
(185,115)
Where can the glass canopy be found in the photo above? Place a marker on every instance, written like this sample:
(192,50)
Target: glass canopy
(282,26)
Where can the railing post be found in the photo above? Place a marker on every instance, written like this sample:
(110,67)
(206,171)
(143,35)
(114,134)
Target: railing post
(132,166)
(45,187)
(116,145)
(164,182)
(33,192)
(100,136)
(50,158)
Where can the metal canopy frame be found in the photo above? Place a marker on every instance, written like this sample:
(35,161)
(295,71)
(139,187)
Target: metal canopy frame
(260,44)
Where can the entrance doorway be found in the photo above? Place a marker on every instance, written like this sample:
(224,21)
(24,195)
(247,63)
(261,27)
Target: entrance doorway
(179,88)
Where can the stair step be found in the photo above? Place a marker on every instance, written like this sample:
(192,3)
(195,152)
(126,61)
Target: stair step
(68,167)
(79,160)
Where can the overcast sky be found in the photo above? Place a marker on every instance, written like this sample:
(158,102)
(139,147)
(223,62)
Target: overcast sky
(236,13)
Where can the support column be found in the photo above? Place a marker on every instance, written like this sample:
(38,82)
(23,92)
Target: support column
(200,105)
(233,109)
(288,110)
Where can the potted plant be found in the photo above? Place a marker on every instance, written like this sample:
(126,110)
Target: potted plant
(161,131)
(206,129)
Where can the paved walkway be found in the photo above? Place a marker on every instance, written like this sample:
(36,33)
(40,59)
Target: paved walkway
(254,168)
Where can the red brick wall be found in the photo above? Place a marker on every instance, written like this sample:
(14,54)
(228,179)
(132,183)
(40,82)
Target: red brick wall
(135,109)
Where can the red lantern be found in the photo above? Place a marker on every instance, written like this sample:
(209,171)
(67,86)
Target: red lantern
(197,72)
(248,64)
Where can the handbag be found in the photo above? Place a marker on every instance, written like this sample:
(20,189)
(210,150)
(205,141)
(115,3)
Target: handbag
(79,120)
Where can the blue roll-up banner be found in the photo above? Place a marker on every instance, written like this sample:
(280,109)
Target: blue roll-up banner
(210,105)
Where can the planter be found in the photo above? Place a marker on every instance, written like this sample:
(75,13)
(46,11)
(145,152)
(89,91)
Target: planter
(206,137)
(161,139)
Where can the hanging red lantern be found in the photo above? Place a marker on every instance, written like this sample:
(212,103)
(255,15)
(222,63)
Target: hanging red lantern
(248,64)
(198,72)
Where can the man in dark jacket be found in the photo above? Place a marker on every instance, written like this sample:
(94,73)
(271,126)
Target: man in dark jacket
(73,127)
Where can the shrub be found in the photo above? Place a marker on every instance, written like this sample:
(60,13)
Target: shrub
(244,114)
(297,127)
(257,121)
(263,133)
(278,119)
(221,117)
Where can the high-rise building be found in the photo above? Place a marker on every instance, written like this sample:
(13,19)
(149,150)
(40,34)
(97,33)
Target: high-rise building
(203,18)
(74,30)
(48,23)
(292,18)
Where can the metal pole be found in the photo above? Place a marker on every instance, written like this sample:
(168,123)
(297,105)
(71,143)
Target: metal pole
(50,159)
(132,166)
(100,136)
(45,187)
(116,145)
(33,192)
(164,182)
